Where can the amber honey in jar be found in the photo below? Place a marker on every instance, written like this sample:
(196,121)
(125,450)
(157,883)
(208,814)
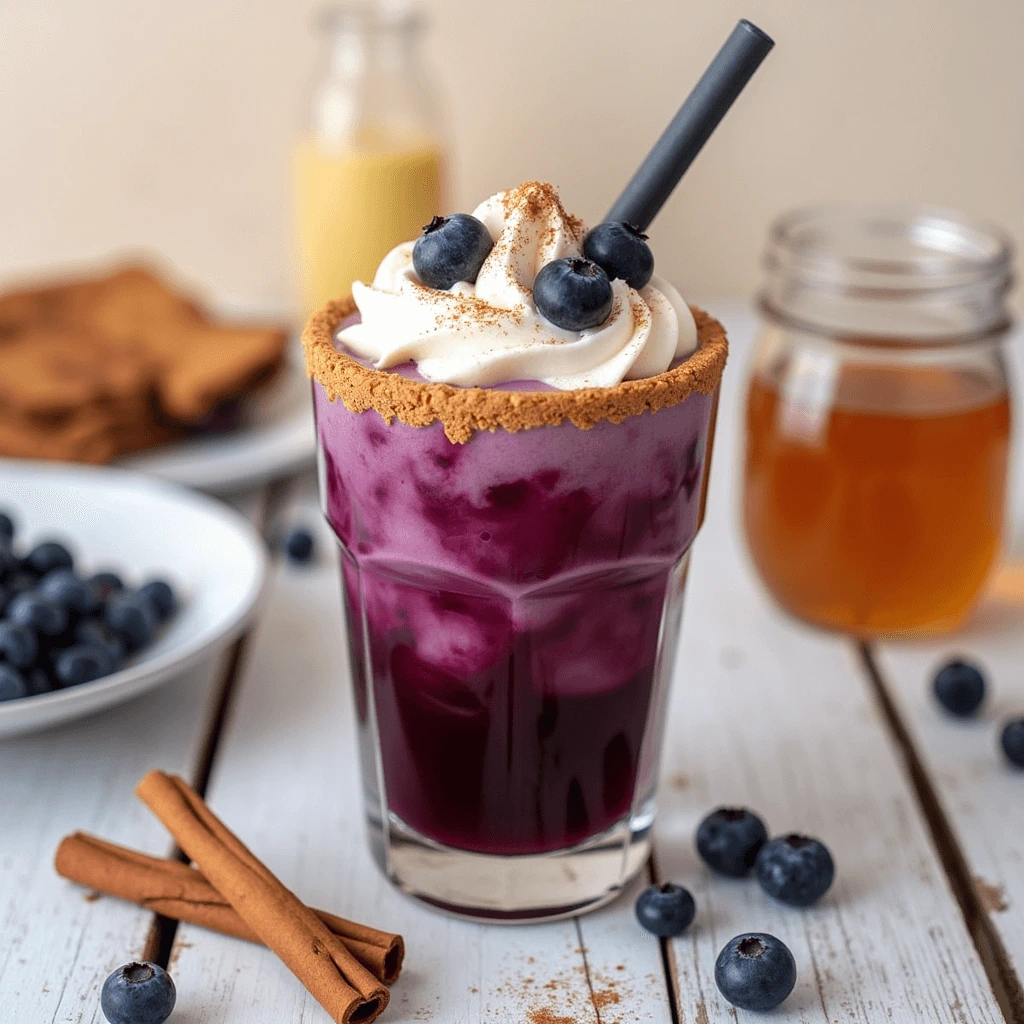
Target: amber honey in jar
(878,417)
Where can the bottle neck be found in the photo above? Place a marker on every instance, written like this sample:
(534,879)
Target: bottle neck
(373,95)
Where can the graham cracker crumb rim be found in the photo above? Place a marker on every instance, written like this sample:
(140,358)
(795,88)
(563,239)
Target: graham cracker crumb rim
(463,411)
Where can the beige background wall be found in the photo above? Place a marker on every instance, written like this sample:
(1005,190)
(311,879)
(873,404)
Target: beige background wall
(168,125)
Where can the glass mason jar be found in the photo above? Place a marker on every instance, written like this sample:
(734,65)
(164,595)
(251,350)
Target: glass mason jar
(368,171)
(878,417)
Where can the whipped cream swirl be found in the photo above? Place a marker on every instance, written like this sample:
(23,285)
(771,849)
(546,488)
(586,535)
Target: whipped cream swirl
(490,332)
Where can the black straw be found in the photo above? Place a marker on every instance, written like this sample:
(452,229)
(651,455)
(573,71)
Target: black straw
(698,117)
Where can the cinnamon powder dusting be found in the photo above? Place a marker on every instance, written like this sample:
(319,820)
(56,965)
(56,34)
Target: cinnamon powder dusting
(528,205)
(641,317)
(605,998)
(548,1016)
(993,897)
(463,411)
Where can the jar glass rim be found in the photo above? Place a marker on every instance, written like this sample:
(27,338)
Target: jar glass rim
(887,245)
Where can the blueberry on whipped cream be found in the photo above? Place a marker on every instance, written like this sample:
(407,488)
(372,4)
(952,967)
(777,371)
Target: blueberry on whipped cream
(451,249)
(573,293)
(621,250)
(493,330)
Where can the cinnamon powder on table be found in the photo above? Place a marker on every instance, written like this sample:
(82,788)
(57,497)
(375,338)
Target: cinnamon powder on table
(597,1001)
(547,1016)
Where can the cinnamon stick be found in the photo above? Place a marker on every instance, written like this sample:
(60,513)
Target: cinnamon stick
(176,890)
(317,957)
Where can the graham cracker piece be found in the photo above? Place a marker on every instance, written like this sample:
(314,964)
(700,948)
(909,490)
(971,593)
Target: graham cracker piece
(198,363)
(93,434)
(124,307)
(53,370)
(96,367)
(220,361)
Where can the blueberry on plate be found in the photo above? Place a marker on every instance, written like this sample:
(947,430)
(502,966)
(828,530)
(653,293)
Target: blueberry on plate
(795,869)
(162,595)
(755,971)
(665,910)
(19,645)
(451,249)
(6,527)
(44,617)
(49,555)
(105,583)
(64,587)
(38,680)
(96,633)
(621,250)
(573,293)
(138,994)
(133,617)
(8,559)
(16,583)
(1012,741)
(299,545)
(728,840)
(76,665)
(960,688)
(13,684)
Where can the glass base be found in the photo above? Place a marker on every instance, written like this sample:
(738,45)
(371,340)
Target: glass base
(516,889)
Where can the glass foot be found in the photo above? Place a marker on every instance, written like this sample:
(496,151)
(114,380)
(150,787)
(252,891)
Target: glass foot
(516,888)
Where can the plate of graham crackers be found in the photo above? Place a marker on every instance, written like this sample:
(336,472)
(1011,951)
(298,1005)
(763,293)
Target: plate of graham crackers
(123,366)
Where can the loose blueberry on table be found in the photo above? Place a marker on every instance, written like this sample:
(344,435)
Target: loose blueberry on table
(573,293)
(299,545)
(621,250)
(728,840)
(795,869)
(755,971)
(451,249)
(960,688)
(1012,741)
(665,910)
(60,629)
(138,993)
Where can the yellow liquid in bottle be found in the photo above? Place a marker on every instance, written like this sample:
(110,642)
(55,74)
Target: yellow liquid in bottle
(355,205)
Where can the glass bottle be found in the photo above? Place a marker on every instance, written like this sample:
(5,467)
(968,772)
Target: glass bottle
(878,417)
(367,173)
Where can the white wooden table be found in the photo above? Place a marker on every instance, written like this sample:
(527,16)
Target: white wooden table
(924,923)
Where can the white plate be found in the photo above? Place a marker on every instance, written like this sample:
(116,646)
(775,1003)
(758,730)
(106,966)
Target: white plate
(140,527)
(276,437)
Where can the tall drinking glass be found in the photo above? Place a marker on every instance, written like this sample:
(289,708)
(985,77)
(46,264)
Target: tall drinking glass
(513,566)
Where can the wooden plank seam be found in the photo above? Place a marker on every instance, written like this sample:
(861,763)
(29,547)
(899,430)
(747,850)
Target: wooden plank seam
(995,958)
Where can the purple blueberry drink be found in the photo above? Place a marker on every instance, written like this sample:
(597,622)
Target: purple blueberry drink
(513,557)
